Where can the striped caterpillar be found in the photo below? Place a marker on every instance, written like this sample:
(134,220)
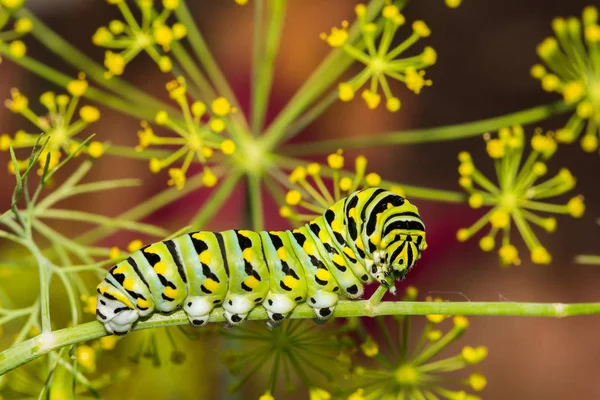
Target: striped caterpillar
(371,235)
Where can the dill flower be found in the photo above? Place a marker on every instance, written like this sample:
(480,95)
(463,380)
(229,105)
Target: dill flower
(574,72)
(380,59)
(518,194)
(20,27)
(200,134)
(306,200)
(57,126)
(152,35)
(302,348)
(389,369)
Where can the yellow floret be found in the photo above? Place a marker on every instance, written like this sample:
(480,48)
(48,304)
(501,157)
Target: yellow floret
(228,146)
(221,106)
(345,91)
(421,28)
(89,114)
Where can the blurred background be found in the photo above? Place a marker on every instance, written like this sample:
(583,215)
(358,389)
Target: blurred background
(485,50)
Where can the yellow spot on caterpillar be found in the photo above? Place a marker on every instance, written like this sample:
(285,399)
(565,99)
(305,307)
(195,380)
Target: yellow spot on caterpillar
(205,257)
(336,225)
(308,248)
(251,282)
(281,253)
(323,236)
(151,249)
(359,244)
(348,251)
(141,303)
(200,235)
(128,284)
(323,274)
(352,213)
(160,267)
(244,233)
(210,285)
(338,259)
(389,205)
(248,254)
(290,282)
(378,216)
(119,270)
(120,297)
(170,292)
(375,239)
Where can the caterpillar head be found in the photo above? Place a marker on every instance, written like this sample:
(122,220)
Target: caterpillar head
(399,240)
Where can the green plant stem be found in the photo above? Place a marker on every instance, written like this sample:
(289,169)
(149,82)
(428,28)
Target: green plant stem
(203,53)
(256,203)
(146,208)
(414,192)
(217,199)
(591,259)
(437,134)
(187,63)
(60,79)
(264,58)
(33,348)
(330,69)
(76,215)
(93,70)
(45,275)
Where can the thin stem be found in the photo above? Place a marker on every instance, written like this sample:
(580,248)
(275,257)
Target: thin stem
(95,71)
(144,209)
(437,134)
(591,259)
(101,220)
(60,79)
(47,342)
(264,59)
(256,203)
(415,192)
(216,201)
(330,69)
(203,53)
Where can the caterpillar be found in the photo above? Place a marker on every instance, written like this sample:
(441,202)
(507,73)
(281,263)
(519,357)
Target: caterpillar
(371,235)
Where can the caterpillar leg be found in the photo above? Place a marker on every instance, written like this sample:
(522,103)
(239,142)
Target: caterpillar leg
(197,309)
(278,307)
(237,308)
(323,304)
(117,318)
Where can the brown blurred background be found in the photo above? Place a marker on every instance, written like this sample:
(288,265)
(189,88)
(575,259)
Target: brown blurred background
(485,50)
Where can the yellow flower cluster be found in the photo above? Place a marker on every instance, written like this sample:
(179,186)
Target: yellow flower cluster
(381,59)
(392,374)
(21,26)
(57,126)
(199,135)
(130,38)
(315,198)
(574,72)
(518,194)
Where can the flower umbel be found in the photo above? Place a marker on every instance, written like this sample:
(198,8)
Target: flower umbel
(20,27)
(380,59)
(575,74)
(302,348)
(151,35)
(518,194)
(198,139)
(397,372)
(306,200)
(58,126)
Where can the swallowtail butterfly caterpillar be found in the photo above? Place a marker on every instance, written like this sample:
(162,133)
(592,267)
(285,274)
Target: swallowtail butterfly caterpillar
(371,235)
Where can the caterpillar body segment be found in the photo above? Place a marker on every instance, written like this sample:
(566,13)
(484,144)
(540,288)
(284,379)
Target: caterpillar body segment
(372,235)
